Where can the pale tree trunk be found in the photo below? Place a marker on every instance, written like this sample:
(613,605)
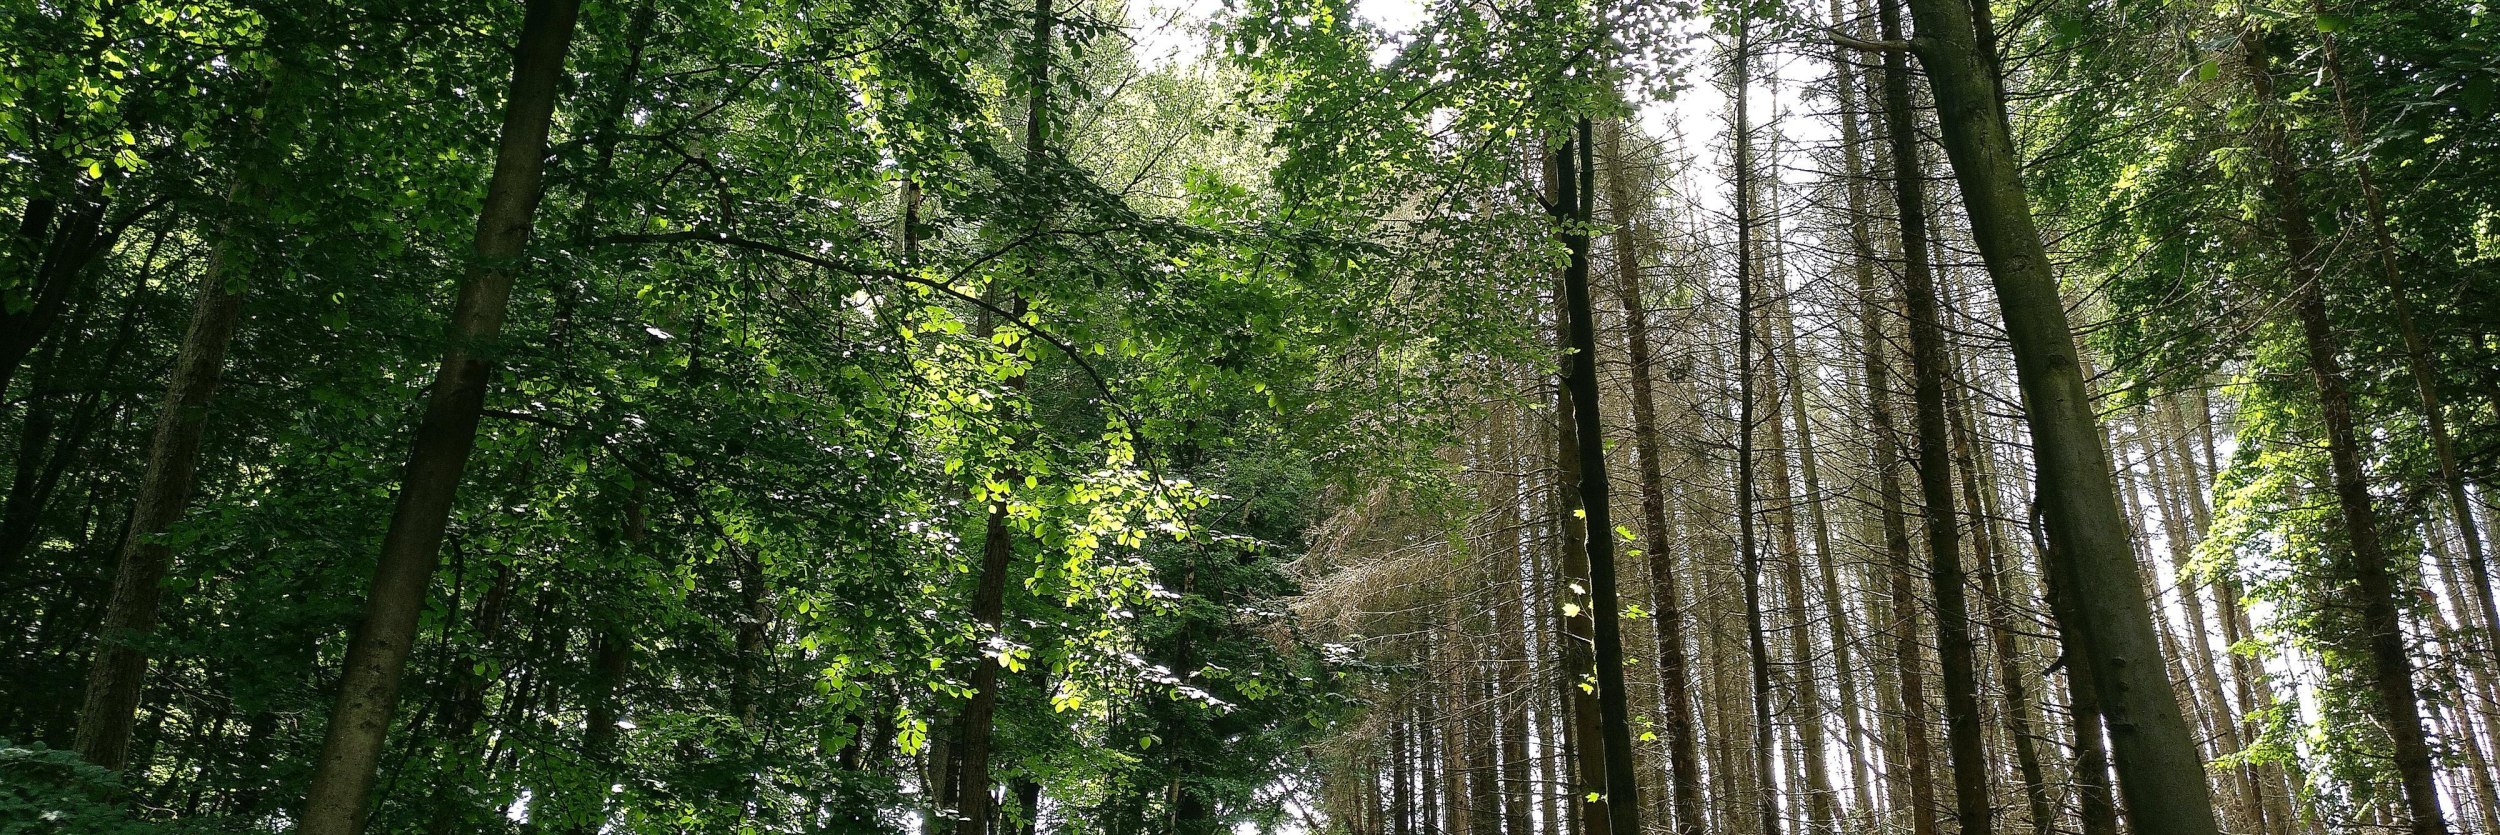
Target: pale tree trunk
(378,653)
(2021,716)
(1683,759)
(1511,671)
(1862,269)
(1748,544)
(1785,399)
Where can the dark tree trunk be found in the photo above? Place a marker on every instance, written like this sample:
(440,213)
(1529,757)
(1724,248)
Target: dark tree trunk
(378,652)
(119,668)
(1928,366)
(972,794)
(2163,778)
(1622,787)
(2382,613)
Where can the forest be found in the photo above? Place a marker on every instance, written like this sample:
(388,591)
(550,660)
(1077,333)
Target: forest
(1220,417)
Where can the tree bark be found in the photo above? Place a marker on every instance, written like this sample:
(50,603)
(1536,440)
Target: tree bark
(1683,758)
(972,792)
(2367,559)
(119,669)
(2162,778)
(378,653)
(2418,355)
(1946,580)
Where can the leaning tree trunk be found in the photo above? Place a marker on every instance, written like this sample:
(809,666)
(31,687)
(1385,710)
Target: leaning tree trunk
(1683,758)
(2418,355)
(2381,614)
(1969,762)
(378,655)
(120,667)
(2161,777)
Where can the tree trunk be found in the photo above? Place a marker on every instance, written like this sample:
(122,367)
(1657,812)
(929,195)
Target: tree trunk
(1748,544)
(1928,365)
(2418,355)
(120,668)
(378,653)
(2381,613)
(1683,759)
(1862,269)
(2162,778)
(1622,790)
(972,792)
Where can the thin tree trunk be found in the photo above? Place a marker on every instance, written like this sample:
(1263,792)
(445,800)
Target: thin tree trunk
(1862,269)
(2096,807)
(378,654)
(1676,720)
(1928,364)
(1749,547)
(2381,613)
(2418,354)
(1622,786)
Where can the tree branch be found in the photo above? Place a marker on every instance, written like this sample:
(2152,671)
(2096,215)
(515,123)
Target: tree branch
(1841,39)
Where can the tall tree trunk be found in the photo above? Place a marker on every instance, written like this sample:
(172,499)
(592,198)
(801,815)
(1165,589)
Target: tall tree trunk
(2096,807)
(120,667)
(1510,625)
(2375,584)
(378,653)
(1862,270)
(2161,776)
(1683,759)
(972,792)
(1928,360)
(1913,766)
(2418,355)
(1577,179)
(2021,714)
(1748,545)
(1583,716)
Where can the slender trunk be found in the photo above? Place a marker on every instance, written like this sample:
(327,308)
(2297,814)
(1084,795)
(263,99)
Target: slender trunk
(378,654)
(1683,759)
(58,279)
(1935,477)
(1511,670)
(1748,545)
(1912,763)
(1862,269)
(119,668)
(2021,715)
(2418,354)
(2381,613)
(2162,776)
(1622,792)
